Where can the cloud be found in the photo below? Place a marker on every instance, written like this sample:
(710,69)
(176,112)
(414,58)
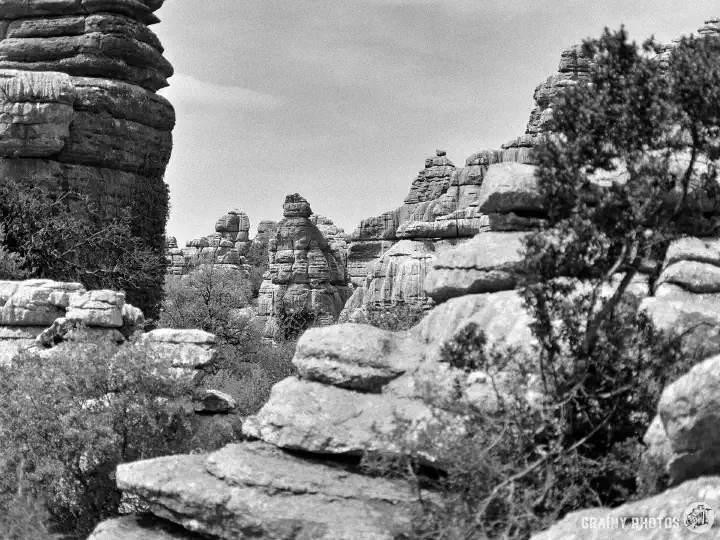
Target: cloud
(186,90)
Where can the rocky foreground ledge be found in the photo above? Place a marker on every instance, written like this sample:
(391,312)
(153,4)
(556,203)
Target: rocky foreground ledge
(255,490)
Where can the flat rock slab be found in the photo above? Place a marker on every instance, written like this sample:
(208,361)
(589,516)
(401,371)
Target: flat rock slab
(141,528)
(257,491)
(665,510)
(312,417)
(352,356)
(510,187)
(486,263)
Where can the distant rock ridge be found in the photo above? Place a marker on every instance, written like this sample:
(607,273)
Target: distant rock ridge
(306,276)
(355,382)
(495,191)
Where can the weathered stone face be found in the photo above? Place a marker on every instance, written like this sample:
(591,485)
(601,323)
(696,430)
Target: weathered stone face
(78,108)
(306,271)
(254,490)
(94,38)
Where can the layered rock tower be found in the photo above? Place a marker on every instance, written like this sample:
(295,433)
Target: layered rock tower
(78,108)
(306,272)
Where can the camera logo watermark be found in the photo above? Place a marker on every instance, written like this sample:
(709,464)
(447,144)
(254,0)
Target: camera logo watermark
(698,517)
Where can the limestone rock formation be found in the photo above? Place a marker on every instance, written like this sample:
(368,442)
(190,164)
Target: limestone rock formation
(574,67)
(353,379)
(446,206)
(255,490)
(46,317)
(686,298)
(397,277)
(487,263)
(356,383)
(184,351)
(305,275)
(656,518)
(682,439)
(78,108)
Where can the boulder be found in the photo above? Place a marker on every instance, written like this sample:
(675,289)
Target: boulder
(662,517)
(355,382)
(36,302)
(97,308)
(254,490)
(510,187)
(305,275)
(356,357)
(684,440)
(487,263)
(78,108)
(146,527)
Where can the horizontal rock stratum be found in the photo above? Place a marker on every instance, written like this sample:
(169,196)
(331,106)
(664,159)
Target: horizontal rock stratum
(78,108)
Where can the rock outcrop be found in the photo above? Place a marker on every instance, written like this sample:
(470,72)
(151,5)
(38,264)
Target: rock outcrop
(46,316)
(255,490)
(356,384)
(78,108)
(686,297)
(306,278)
(574,67)
(446,207)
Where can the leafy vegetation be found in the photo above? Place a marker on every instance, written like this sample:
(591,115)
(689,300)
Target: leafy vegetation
(217,300)
(397,317)
(67,419)
(64,236)
(628,168)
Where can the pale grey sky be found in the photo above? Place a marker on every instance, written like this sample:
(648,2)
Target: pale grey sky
(342,100)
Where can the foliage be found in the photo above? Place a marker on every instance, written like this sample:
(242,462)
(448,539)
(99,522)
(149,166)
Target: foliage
(208,297)
(467,350)
(257,259)
(63,236)
(628,169)
(523,464)
(397,317)
(292,323)
(10,263)
(69,417)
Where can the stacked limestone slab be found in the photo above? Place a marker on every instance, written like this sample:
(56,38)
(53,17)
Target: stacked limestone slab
(228,245)
(354,381)
(306,271)
(448,205)
(485,196)
(78,107)
(46,316)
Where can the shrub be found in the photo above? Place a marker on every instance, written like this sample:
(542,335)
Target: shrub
(208,297)
(68,418)
(397,317)
(293,323)
(601,365)
(520,467)
(249,371)
(64,236)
